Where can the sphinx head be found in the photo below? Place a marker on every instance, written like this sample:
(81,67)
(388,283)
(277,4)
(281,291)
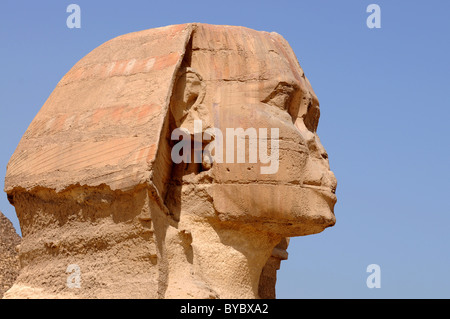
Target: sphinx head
(251,116)
(94,177)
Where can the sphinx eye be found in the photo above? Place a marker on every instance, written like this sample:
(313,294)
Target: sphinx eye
(281,96)
(311,118)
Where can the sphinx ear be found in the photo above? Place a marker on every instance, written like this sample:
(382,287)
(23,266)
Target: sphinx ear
(187,97)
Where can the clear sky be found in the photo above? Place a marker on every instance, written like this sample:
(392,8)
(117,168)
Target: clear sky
(384,96)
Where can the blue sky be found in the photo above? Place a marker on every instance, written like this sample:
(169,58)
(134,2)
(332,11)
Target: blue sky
(384,121)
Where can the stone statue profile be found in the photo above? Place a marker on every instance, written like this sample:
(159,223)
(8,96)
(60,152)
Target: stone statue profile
(106,212)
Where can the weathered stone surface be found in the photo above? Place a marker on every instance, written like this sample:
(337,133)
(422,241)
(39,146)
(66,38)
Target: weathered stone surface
(268,279)
(94,184)
(9,258)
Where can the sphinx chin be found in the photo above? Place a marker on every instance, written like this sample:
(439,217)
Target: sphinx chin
(287,210)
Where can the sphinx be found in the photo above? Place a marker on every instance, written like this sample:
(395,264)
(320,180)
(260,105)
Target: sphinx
(94,184)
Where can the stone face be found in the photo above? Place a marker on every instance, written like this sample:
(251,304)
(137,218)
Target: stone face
(96,187)
(9,259)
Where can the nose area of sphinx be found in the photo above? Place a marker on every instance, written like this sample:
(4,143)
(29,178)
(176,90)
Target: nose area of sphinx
(318,171)
(318,174)
(328,178)
(330,181)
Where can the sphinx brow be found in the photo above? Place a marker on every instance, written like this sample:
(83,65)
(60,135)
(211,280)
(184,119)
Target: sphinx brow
(290,84)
